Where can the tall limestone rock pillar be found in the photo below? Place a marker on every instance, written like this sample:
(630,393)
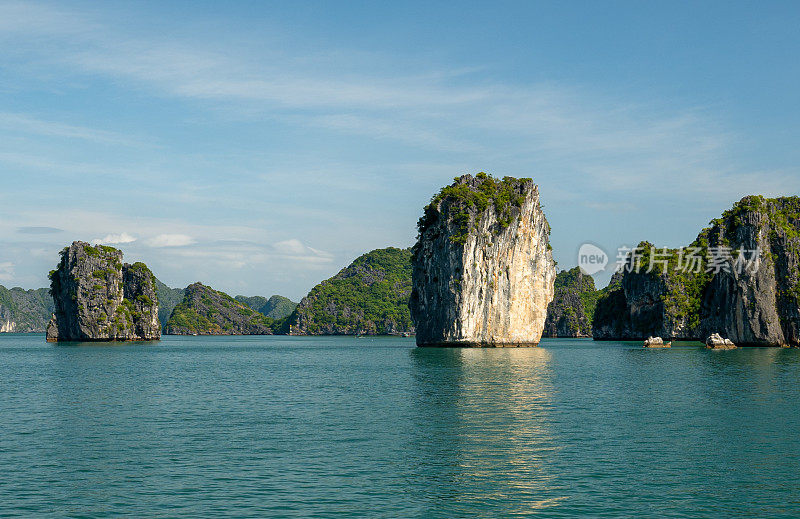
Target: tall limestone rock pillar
(483,270)
(97,298)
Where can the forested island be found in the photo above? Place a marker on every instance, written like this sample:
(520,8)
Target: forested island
(745,285)
(459,284)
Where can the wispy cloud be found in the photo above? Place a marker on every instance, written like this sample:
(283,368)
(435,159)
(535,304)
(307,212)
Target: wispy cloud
(297,250)
(32,18)
(609,144)
(171,240)
(27,124)
(114,239)
(39,230)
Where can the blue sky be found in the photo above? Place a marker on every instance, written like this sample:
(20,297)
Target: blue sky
(260,146)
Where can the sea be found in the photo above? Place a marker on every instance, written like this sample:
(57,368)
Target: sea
(279,426)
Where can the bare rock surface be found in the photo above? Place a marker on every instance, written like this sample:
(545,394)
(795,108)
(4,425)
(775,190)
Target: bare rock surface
(717,342)
(656,342)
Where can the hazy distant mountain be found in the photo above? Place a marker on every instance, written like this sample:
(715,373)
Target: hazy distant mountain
(168,299)
(276,307)
(25,310)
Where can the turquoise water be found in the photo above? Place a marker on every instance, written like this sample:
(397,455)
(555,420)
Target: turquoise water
(343,427)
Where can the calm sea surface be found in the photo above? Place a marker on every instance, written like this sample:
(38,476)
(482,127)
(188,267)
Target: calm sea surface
(344,427)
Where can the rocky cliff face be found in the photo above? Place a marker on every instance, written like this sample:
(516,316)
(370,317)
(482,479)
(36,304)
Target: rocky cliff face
(24,311)
(650,301)
(757,307)
(139,287)
(97,298)
(483,271)
(6,322)
(205,311)
(572,309)
(370,296)
(750,306)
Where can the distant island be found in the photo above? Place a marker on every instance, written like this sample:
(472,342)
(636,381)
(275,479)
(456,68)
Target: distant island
(571,312)
(205,311)
(368,297)
(25,311)
(276,307)
(481,273)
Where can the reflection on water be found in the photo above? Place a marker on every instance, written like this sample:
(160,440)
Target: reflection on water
(320,427)
(483,425)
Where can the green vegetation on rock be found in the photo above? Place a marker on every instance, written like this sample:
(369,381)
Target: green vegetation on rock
(662,296)
(205,311)
(276,307)
(467,196)
(572,309)
(370,296)
(168,299)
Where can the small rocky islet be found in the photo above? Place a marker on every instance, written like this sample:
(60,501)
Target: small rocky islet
(480,274)
(483,269)
(99,298)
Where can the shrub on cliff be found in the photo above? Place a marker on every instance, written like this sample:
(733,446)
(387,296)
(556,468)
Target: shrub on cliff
(460,200)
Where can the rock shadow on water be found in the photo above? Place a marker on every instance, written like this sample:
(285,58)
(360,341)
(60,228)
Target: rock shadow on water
(103,343)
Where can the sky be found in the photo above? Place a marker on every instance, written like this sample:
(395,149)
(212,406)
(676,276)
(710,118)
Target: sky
(259,147)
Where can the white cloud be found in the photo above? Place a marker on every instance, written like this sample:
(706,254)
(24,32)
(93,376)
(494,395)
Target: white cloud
(171,240)
(297,250)
(114,239)
(293,246)
(6,271)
